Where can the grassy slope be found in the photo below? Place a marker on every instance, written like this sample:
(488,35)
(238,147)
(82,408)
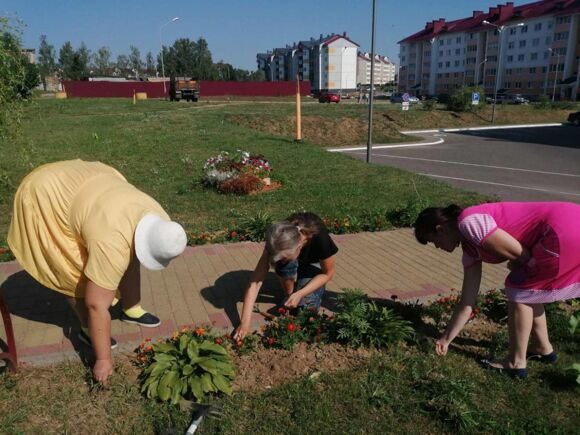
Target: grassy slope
(151,143)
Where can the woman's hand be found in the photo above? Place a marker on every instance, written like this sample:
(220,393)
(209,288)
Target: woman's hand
(102,369)
(240,332)
(441,347)
(294,300)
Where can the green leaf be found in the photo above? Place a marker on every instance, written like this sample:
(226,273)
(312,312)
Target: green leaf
(196,387)
(207,384)
(187,370)
(209,365)
(222,384)
(152,391)
(176,391)
(163,347)
(166,384)
(164,358)
(192,350)
(574,322)
(183,342)
(213,347)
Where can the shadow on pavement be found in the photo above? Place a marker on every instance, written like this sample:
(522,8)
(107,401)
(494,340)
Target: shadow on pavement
(229,289)
(563,136)
(29,299)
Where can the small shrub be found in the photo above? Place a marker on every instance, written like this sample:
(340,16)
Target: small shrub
(406,214)
(251,228)
(430,105)
(494,305)
(361,322)
(543,102)
(294,326)
(189,365)
(460,100)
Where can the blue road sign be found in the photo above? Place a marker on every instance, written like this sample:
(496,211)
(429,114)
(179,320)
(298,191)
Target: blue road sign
(475,98)
(406,97)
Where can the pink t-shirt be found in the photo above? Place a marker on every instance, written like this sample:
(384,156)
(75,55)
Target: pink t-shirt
(524,221)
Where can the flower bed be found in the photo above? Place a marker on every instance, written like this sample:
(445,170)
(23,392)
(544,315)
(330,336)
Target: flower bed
(239,173)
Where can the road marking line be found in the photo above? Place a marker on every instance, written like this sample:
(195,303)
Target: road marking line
(380,147)
(500,184)
(474,164)
(496,127)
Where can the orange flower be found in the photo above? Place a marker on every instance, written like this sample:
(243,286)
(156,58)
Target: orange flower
(199,331)
(291,327)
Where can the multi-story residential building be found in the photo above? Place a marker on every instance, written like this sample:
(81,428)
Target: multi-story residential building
(329,62)
(30,54)
(530,49)
(385,69)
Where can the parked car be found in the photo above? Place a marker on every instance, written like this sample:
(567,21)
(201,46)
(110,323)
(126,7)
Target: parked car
(398,98)
(517,99)
(329,98)
(574,118)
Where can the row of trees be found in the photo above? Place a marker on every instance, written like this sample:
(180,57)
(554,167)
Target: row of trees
(184,58)
(17,77)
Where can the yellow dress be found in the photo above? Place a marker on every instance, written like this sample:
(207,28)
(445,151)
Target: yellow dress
(75,220)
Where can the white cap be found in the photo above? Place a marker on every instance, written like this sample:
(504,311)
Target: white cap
(158,241)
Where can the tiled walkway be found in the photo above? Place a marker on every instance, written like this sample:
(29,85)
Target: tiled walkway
(206,284)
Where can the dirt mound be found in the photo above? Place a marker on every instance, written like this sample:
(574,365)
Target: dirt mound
(270,367)
(322,130)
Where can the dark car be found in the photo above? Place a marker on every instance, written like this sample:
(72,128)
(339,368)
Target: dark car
(329,98)
(574,118)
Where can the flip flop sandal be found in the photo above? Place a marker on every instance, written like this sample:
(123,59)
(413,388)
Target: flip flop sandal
(548,358)
(514,373)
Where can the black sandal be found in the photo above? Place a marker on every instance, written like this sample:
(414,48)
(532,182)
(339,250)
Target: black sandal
(549,358)
(514,373)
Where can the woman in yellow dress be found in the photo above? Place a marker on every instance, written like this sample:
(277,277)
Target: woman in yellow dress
(81,229)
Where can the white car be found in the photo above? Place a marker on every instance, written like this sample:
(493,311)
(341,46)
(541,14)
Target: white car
(413,100)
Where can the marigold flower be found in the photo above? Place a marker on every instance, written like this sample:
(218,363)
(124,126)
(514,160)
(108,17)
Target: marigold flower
(199,331)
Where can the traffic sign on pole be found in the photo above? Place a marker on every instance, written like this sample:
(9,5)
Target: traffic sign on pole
(475,98)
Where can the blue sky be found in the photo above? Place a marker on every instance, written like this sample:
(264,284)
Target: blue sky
(235,29)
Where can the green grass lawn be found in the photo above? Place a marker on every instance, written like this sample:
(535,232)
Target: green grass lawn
(405,388)
(161,147)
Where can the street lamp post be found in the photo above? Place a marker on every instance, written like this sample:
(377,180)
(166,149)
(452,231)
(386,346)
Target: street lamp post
(556,76)
(499,30)
(161,44)
(371,90)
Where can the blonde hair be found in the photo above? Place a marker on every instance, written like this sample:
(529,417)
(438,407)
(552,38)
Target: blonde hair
(284,236)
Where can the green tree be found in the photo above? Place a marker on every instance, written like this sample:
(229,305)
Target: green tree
(102,59)
(65,60)
(46,60)
(84,59)
(257,76)
(12,78)
(135,62)
(150,64)
(122,64)
(460,100)
(204,67)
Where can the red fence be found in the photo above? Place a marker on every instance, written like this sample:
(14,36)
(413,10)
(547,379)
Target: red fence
(103,89)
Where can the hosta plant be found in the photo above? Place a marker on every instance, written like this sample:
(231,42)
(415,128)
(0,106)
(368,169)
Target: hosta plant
(190,365)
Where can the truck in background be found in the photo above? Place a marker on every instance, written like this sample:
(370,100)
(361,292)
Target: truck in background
(183,88)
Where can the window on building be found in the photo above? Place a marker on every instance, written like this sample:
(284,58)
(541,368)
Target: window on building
(471,35)
(447,64)
(441,53)
(546,54)
(403,58)
(441,42)
(448,52)
(492,58)
(439,75)
(508,71)
(563,20)
(533,70)
(535,42)
(492,46)
(537,27)
(521,57)
(517,84)
(456,63)
(455,74)
(457,51)
(524,29)
(507,85)
(440,64)
(561,36)
(511,45)
(446,75)
(448,41)
(548,40)
(530,85)
(510,58)
(550,24)
(519,70)
(522,43)
(490,71)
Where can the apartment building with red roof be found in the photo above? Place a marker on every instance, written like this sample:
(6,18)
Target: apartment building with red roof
(532,49)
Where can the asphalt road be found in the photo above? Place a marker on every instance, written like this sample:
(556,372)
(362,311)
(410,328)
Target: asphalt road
(515,164)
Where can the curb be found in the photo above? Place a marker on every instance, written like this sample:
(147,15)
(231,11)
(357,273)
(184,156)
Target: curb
(380,147)
(490,127)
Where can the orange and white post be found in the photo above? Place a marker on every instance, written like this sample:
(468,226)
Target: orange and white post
(298,112)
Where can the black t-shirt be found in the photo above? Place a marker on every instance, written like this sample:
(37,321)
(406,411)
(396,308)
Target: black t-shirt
(320,247)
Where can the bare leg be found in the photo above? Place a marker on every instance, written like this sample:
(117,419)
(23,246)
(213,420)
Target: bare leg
(540,339)
(520,321)
(288,285)
(80,309)
(130,285)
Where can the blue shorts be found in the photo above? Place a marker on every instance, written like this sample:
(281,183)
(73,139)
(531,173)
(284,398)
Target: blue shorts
(302,274)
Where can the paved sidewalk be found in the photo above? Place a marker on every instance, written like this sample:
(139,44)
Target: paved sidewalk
(206,284)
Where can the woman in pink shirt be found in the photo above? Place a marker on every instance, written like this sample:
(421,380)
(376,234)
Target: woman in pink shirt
(541,243)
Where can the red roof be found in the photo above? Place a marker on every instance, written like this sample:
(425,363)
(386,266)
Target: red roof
(499,15)
(337,37)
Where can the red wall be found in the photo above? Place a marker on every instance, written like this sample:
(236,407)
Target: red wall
(85,89)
